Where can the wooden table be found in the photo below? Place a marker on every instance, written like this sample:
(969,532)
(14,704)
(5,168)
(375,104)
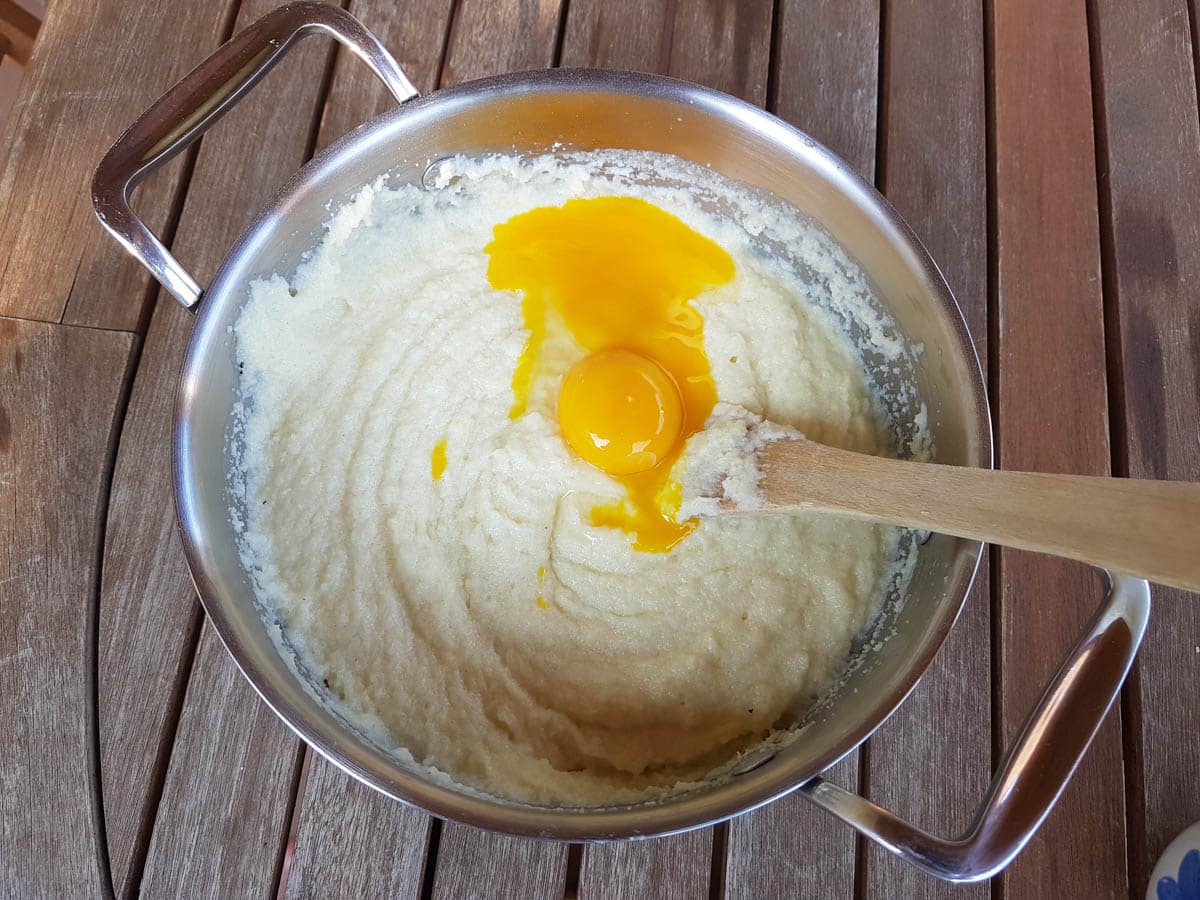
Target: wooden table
(1047,153)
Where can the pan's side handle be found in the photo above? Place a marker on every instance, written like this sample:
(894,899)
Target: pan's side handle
(192,106)
(1036,767)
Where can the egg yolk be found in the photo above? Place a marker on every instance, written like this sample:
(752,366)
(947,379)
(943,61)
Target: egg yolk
(618,273)
(437,460)
(620,411)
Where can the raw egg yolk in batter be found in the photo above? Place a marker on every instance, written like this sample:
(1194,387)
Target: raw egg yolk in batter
(620,411)
(619,273)
(437,460)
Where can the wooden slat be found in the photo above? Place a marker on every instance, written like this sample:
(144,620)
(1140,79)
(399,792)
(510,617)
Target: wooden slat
(350,839)
(726,46)
(619,34)
(415,34)
(1150,131)
(482,865)
(148,611)
(931,762)
(827,75)
(826,82)
(489,37)
(222,821)
(10,84)
(1052,407)
(790,849)
(18,30)
(670,868)
(60,391)
(79,94)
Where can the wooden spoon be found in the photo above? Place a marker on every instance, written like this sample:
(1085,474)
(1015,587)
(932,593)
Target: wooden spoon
(1145,528)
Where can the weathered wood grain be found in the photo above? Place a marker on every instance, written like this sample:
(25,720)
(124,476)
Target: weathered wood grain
(352,841)
(931,762)
(222,822)
(60,392)
(489,37)
(619,34)
(11,76)
(1152,275)
(148,614)
(726,46)
(827,75)
(1052,407)
(790,848)
(482,865)
(97,65)
(414,33)
(670,868)
(934,167)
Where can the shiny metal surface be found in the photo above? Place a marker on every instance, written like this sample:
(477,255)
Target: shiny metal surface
(536,112)
(195,104)
(1040,761)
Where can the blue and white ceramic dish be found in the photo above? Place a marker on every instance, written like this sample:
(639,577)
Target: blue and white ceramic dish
(1177,874)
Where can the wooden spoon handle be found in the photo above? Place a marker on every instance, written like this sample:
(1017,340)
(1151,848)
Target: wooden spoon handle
(1145,528)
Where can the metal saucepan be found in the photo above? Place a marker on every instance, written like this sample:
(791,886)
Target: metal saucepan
(586,109)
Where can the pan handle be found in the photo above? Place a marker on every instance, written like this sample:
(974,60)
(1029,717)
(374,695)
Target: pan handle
(1036,767)
(192,106)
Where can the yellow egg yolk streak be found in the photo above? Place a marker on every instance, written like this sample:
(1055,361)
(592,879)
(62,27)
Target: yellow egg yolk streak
(620,272)
(437,460)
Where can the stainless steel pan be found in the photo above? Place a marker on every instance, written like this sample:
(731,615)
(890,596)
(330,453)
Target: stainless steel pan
(586,109)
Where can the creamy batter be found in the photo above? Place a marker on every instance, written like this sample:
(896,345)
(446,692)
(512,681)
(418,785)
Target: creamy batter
(432,555)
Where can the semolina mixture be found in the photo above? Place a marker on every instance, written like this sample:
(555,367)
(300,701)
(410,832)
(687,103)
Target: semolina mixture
(455,552)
